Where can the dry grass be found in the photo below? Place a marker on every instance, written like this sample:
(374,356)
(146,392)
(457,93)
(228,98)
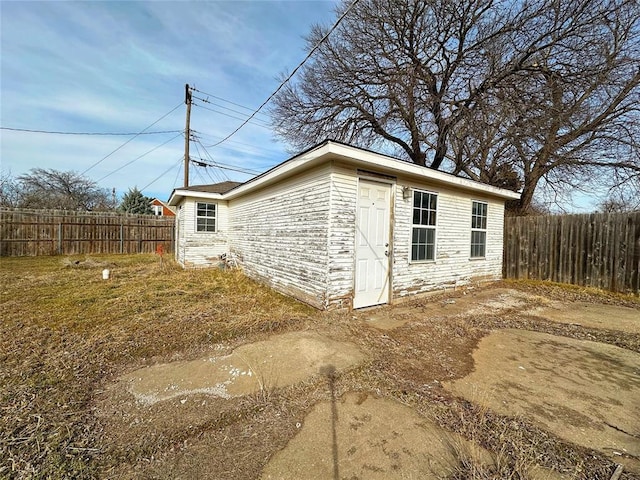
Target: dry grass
(574,293)
(518,449)
(65,330)
(66,333)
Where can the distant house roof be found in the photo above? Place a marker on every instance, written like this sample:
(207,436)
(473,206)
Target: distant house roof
(165,209)
(222,187)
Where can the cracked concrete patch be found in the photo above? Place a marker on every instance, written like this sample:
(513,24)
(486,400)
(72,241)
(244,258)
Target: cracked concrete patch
(360,436)
(493,301)
(281,360)
(584,392)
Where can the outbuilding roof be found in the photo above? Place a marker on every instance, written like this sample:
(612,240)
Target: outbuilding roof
(332,150)
(222,187)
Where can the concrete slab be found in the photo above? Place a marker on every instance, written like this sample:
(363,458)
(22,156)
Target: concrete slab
(360,436)
(591,315)
(585,392)
(281,360)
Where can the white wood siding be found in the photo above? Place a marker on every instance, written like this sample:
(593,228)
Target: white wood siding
(298,235)
(179,240)
(342,235)
(201,249)
(453,265)
(280,234)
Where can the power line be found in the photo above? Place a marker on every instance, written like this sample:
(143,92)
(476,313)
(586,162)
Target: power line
(225,100)
(132,138)
(286,80)
(202,162)
(139,157)
(53,132)
(211,158)
(261,148)
(208,172)
(227,108)
(175,180)
(202,179)
(255,122)
(162,174)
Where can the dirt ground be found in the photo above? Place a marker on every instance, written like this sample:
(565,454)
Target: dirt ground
(380,393)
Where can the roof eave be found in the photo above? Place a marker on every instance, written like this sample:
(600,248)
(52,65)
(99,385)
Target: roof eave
(305,159)
(179,194)
(398,167)
(363,158)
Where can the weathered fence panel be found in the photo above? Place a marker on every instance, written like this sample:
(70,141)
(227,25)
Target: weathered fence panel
(59,232)
(599,250)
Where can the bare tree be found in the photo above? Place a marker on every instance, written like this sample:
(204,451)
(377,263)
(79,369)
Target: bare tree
(48,188)
(572,115)
(623,198)
(504,92)
(9,191)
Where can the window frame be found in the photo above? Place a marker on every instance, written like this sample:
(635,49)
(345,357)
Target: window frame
(479,228)
(428,227)
(158,211)
(207,218)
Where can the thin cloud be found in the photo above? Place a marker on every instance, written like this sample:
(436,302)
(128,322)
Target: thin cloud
(118,66)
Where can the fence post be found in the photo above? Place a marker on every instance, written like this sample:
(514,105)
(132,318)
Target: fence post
(60,238)
(173,238)
(121,237)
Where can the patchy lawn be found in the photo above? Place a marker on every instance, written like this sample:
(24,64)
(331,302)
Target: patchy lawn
(72,344)
(65,332)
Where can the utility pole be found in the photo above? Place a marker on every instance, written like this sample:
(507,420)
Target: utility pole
(187,134)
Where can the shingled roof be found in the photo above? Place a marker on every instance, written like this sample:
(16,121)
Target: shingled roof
(222,187)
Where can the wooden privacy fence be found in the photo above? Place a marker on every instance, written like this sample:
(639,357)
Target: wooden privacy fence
(59,232)
(599,250)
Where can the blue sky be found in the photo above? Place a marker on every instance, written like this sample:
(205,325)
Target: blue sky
(117,67)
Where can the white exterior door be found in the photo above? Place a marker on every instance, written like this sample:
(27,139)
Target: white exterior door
(372,244)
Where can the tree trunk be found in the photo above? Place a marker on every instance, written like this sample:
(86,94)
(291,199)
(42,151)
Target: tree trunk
(524,204)
(441,145)
(419,158)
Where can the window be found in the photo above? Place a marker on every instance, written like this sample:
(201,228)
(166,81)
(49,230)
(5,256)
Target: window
(157,210)
(478,229)
(205,217)
(423,234)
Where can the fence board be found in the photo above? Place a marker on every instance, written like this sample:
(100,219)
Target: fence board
(599,250)
(58,232)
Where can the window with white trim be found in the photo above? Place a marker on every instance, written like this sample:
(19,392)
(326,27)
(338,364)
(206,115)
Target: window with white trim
(205,217)
(478,229)
(157,210)
(423,231)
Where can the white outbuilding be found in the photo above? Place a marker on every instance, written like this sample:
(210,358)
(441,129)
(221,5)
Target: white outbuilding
(339,226)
